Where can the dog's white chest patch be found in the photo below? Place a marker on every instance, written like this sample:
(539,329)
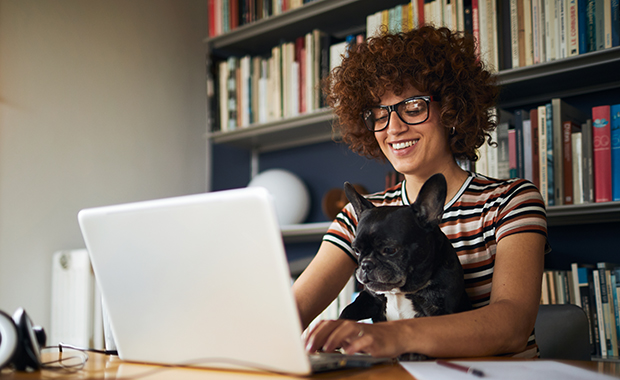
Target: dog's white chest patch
(398,307)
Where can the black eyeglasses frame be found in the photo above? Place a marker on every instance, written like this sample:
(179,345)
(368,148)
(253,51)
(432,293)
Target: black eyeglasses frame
(427,98)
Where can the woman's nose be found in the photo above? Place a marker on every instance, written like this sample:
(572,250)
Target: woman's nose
(396,125)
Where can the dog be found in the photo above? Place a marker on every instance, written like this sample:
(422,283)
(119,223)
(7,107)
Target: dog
(406,264)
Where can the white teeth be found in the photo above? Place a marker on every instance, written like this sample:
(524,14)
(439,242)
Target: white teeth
(403,145)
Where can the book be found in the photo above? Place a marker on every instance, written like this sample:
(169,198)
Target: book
(582,282)
(572,29)
(562,112)
(599,313)
(528,168)
(542,141)
(587,148)
(601,153)
(615,150)
(519,117)
(505,123)
(512,153)
(604,271)
(535,148)
(568,128)
(551,158)
(577,167)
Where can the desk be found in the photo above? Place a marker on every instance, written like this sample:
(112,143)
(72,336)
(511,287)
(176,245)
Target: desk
(110,367)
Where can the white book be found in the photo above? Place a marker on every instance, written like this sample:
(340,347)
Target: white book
(542,141)
(309,73)
(294,89)
(514,34)
(529,39)
(550,21)
(536,31)
(415,11)
(244,106)
(572,28)
(562,16)
(577,167)
(492,157)
(607,13)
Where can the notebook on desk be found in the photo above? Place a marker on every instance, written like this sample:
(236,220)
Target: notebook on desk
(199,280)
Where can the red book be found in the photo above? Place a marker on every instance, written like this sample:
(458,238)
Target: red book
(535,148)
(300,58)
(568,127)
(421,12)
(475,22)
(601,136)
(233,14)
(211,15)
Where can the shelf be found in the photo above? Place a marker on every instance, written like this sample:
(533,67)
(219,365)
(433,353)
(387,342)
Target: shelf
(578,75)
(303,233)
(336,17)
(587,213)
(287,133)
(556,216)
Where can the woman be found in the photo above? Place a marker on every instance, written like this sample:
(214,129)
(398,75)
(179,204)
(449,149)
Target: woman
(420,100)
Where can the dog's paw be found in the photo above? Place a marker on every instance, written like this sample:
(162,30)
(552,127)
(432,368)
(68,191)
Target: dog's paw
(412,357)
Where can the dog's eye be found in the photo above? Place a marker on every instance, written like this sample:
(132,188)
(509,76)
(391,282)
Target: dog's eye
(356,251)
(389,250)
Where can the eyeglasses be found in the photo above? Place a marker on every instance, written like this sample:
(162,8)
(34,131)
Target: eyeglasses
(411,111)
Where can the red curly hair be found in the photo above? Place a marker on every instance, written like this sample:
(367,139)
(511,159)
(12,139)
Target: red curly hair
(435,61)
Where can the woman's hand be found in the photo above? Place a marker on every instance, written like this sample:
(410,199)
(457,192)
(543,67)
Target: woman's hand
(378,340)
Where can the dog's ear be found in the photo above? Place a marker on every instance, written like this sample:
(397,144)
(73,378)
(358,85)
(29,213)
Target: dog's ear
(359,203)
(431,198)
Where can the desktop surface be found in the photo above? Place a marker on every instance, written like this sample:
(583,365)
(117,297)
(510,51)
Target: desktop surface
(100,366)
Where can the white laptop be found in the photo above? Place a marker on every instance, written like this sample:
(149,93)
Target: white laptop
(199,280)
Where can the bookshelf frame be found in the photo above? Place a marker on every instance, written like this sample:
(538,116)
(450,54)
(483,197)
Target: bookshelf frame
(573,76)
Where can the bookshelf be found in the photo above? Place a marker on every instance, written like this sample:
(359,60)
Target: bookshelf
(580,75)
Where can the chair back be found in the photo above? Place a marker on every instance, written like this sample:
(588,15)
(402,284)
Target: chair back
(563,332)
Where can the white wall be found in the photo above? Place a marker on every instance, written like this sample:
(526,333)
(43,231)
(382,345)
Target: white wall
(100,102)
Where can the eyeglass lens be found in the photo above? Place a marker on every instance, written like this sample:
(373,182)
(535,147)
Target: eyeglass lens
(411,111)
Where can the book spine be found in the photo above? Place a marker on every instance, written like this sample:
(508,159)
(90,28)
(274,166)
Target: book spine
(567,157)
(573,29)
(550,156)
(601,153)
(588,167)
(535,148)
(615,150)
(576,150)
(615,23)
(542,139)
(599,313)
(590,25)
(582,25)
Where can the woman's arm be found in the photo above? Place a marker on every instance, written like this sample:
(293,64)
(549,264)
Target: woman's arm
(321,281)
(501,327)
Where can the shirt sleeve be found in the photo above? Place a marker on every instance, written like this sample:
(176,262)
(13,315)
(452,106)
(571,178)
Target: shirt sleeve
(342,231)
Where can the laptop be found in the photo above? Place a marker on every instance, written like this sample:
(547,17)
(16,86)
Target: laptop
(201,280)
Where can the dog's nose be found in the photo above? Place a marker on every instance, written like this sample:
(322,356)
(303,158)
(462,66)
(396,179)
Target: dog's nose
(367,266)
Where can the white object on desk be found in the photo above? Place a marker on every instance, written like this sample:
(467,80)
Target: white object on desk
(503,370)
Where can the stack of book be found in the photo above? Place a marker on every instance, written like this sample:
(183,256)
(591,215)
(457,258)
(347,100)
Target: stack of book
(571,156)
(227,15)
(595,289)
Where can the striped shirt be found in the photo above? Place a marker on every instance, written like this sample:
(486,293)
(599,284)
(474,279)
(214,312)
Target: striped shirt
(483,212)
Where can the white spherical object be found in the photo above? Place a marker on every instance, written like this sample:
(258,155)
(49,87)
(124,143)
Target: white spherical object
(290,194)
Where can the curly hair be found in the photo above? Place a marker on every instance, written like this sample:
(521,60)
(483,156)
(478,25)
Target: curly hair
(435,61)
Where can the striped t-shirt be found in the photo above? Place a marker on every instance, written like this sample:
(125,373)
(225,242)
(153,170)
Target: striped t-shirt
(483,211)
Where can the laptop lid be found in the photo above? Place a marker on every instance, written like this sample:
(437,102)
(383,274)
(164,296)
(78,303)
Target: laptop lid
(197,280)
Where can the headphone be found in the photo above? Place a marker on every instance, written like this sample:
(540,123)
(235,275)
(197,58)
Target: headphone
(20,341)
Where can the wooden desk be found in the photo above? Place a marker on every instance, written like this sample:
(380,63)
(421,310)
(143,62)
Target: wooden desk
(110,367)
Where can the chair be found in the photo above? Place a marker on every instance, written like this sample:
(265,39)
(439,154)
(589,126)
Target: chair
(562,332)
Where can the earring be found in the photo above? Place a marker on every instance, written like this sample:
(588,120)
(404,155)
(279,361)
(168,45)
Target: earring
(452,131)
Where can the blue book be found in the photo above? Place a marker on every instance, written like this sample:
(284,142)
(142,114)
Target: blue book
(615,151)
(582,25)
(550,158)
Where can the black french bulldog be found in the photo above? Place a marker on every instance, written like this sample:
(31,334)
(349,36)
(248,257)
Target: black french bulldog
(407,265)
